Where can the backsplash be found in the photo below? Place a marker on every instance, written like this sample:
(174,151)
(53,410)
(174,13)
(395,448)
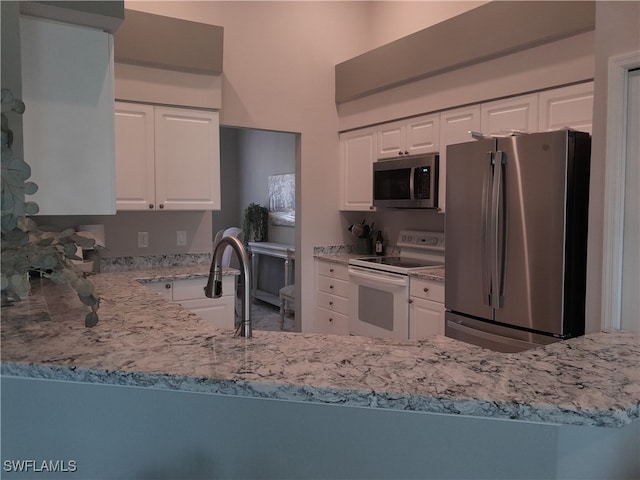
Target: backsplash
(119,264)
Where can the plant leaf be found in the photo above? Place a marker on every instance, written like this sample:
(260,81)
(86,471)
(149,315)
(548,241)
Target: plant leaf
(91,320)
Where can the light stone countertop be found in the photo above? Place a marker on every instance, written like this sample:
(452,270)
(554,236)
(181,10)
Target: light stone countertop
(142,340)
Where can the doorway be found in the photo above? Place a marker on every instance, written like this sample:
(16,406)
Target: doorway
(254,164)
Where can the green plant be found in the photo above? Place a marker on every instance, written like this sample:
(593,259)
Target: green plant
(25,246)
(256,220)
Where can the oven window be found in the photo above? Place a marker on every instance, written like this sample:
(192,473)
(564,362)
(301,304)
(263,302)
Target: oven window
(375,307)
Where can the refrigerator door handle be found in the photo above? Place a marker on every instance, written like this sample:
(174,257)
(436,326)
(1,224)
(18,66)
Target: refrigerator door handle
(498,230)
(486,230)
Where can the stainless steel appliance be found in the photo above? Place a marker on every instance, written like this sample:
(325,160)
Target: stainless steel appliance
(407,182)
(379,286)
(516,227)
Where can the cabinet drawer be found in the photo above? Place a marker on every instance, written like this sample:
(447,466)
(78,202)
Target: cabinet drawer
(331,322)
(333,303)
(193,288)
(333,286)
(427,290)
(330,269)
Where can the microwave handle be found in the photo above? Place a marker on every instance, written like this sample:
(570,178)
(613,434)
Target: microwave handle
(412,177)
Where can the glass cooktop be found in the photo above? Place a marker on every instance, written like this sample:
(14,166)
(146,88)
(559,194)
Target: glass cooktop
(401,262)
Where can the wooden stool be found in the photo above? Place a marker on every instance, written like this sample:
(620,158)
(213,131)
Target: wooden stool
(287,294)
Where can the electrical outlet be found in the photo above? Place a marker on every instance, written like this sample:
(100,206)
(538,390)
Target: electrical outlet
(143,239)
(181,238)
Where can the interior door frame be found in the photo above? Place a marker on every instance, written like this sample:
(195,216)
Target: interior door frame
(614,194)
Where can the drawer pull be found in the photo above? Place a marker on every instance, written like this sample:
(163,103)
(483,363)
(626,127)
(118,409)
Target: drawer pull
(330,304)
(167,286)
(331,270)
(425,289)
(331,287)
(330,319)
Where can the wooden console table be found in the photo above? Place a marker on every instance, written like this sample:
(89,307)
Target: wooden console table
(271,249)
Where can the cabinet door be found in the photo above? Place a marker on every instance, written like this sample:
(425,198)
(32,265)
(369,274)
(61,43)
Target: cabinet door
(423,134)
(392,140)
(357,154)
(426,318)
(518,113)
(454,128)
(67,87)
(187,159)
(567,107)
(217,311)
(135,171)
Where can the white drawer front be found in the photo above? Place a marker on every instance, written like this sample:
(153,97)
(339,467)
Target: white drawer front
(333,303)
(333,270)
(331,322)
(333,286)
(427,290)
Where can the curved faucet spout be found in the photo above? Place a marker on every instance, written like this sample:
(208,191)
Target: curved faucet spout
(214,284)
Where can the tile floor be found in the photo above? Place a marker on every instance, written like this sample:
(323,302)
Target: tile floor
(265,316)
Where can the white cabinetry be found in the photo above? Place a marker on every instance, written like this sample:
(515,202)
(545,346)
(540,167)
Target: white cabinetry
(455,126)
(409,137)
(67,87)
(516,113)
(332,298)
(567,107)
(190,294)
(357,154)
(426,308)
(166,158)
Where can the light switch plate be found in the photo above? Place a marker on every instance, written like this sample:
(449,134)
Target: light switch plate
(181,238)
(143,239)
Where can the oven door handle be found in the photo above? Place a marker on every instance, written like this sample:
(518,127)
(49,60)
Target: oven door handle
(379,277)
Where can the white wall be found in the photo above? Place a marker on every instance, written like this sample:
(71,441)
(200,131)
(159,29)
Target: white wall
(617,32)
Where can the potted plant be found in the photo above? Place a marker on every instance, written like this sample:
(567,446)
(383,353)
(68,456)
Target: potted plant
(255,224)
(27,247)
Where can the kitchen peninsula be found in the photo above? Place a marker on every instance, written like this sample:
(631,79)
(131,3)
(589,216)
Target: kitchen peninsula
(150,369)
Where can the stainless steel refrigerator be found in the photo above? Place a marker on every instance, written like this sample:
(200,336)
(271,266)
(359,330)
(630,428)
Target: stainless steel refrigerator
(516,239)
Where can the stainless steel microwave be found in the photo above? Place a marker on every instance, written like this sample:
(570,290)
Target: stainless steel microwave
(407,182)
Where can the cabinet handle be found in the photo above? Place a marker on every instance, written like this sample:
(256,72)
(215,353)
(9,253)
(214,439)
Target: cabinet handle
(425,289)
(406,152)
(410,301)
(331,270)
(331,287)
(331,304)
(330,319)
(400,152)
(151,206)
(167,286)
(161,206)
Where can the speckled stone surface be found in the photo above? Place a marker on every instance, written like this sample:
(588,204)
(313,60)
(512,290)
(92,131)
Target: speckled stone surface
(144,341)
(435,274)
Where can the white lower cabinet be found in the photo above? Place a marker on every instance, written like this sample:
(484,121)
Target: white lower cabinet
(426,308)
(332,298)
(190,294)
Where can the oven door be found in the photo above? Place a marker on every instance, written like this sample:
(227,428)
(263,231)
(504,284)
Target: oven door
(378,303)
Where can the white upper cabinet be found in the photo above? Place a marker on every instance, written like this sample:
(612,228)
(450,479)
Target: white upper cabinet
(409,137)
(455,126)
(135,157)
(167,158)
(67,87)
(358,150)
(567,107)
(516,113)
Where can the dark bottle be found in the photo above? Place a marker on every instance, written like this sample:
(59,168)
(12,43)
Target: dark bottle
(379,243)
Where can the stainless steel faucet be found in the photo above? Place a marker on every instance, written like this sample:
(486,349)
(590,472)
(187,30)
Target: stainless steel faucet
(214,284)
